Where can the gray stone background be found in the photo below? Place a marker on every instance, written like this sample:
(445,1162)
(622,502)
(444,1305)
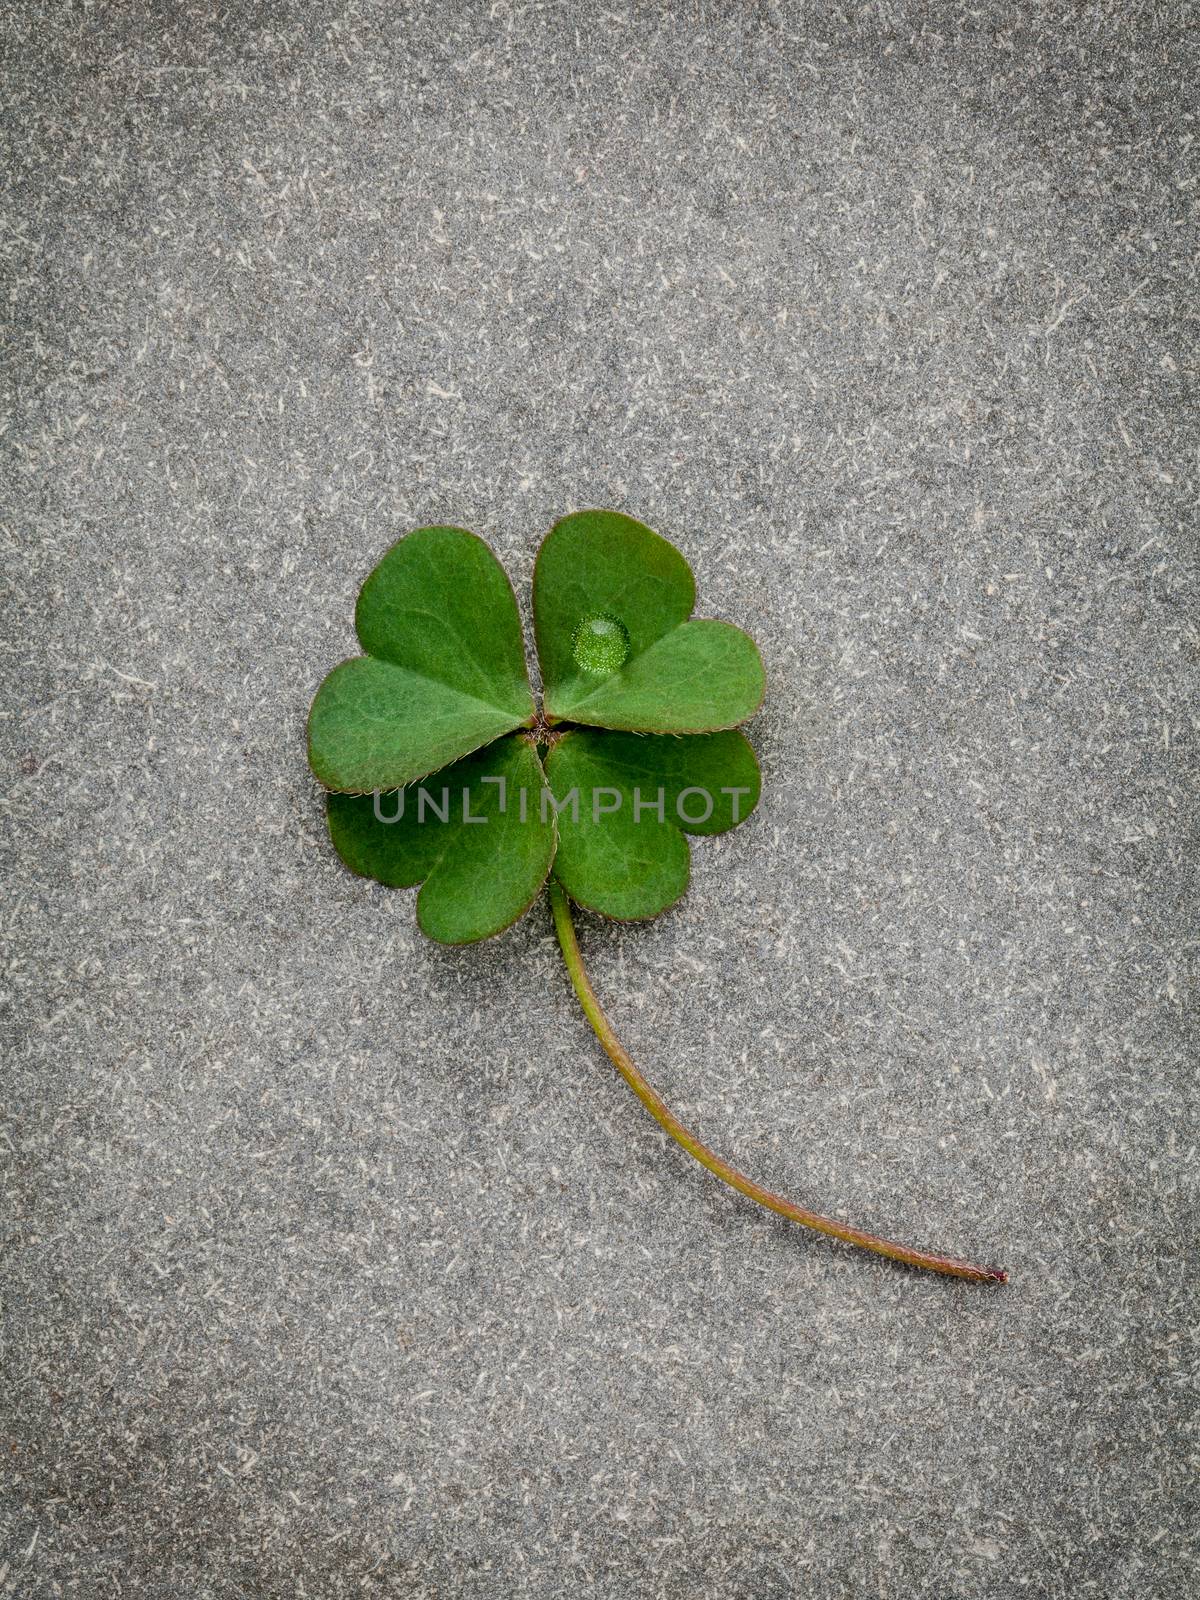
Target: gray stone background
(341,1264)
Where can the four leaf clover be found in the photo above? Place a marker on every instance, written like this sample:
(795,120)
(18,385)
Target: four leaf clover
(442,771)
(635,748)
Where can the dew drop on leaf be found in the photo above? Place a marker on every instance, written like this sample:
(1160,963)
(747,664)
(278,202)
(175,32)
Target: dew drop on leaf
(600,644)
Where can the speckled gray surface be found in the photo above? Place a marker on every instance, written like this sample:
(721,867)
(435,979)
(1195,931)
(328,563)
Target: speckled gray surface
(341,1264)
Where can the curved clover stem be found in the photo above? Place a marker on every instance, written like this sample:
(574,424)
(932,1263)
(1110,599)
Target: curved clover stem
(667,1119)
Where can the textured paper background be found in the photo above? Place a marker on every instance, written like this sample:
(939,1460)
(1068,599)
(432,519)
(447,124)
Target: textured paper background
(340,1264)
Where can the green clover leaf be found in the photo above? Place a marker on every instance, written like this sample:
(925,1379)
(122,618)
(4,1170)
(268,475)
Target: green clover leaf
(611,602)
(443,674)
(480,864)
(442,772)
(624,803)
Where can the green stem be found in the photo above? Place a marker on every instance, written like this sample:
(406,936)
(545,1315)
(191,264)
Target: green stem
(666,1118)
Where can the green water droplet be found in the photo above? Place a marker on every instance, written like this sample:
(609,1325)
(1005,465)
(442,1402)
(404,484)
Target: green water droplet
(600,644)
